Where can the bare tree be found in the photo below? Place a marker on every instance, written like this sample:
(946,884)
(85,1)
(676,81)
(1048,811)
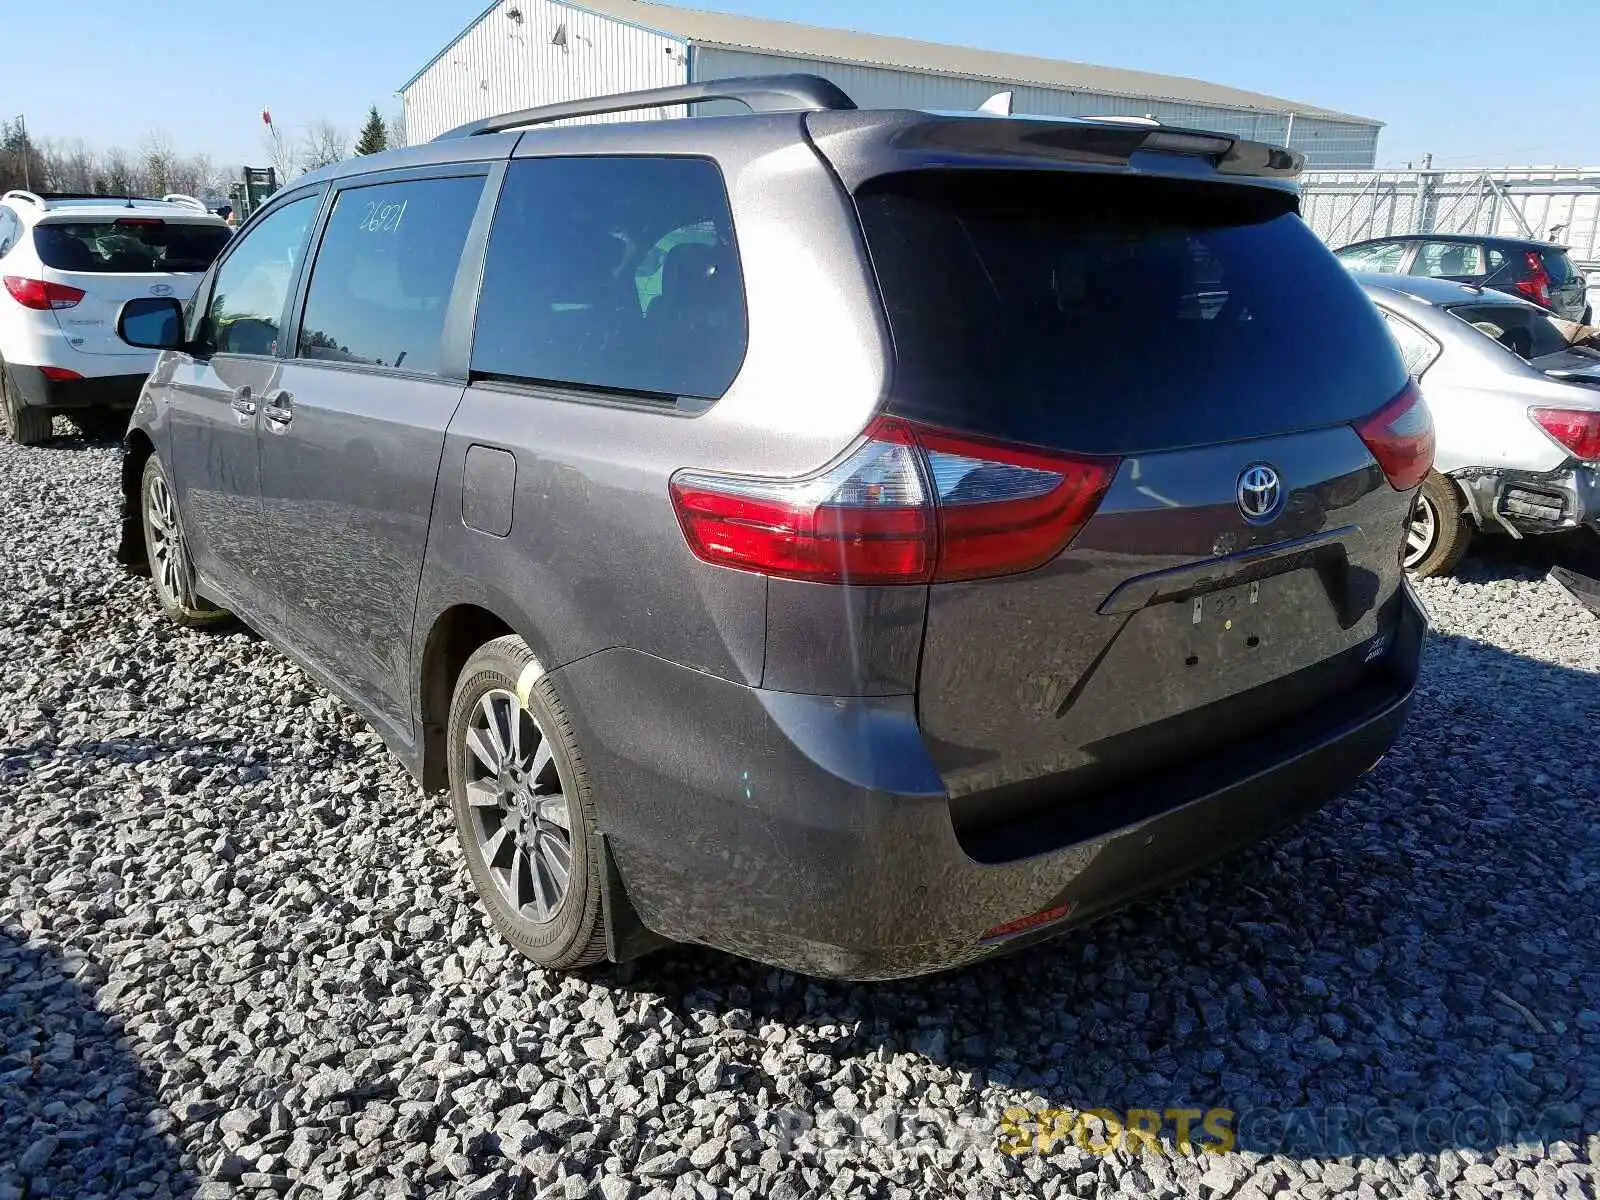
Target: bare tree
(68,166)
(79,164)
(325,143)
(284,154)
(397,130)
(209,179)
(117,174)
(160,163)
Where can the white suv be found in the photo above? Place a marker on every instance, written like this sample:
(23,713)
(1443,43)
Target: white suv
(67,263)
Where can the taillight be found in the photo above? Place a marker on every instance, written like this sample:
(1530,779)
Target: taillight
(1400,436)
(35,293)
(1575,428)
(907,504)
(867,520)
(1536,286)
(1004,509)
(59,374)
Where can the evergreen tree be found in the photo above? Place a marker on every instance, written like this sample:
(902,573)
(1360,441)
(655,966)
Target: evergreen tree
(374,135)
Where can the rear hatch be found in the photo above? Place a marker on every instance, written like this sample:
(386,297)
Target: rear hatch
(113,259)
(1569,293)
(1197,336)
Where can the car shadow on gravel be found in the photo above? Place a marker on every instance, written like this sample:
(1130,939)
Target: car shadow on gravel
(78,1117)
(69,437)
(1412,969)
(1494,557)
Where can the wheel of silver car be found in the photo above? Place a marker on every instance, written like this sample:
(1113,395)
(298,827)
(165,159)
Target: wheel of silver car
(1423,531)
(1438,533)
(171,570)
(522,808)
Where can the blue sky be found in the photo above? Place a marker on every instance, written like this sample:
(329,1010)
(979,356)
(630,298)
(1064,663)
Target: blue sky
(1473,81)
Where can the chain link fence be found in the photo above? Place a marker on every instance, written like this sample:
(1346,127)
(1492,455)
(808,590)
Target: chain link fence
(1558,204)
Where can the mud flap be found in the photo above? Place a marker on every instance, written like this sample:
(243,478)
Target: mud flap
(1585,589)
(627,937)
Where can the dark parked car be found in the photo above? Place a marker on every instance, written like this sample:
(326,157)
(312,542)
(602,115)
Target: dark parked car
(863,541)
(1536,271)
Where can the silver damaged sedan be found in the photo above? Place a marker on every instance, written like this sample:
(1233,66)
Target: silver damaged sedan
(1515,394)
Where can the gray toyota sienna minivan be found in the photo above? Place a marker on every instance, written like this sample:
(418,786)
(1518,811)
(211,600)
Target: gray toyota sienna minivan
(860,540)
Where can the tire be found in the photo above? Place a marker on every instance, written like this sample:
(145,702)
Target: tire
(24,425)
(1440,531)
(171,568)
(510,829)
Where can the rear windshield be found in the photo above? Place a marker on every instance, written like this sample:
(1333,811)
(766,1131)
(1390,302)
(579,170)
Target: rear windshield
(1112,315)
(138,245)
(1559,267)
(1524,331)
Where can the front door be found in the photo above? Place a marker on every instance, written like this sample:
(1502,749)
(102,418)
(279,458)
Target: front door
(214,393)
(353,431)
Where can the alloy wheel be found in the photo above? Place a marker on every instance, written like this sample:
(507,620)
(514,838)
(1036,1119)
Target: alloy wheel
(1422,533)
(167,559)
(518,800)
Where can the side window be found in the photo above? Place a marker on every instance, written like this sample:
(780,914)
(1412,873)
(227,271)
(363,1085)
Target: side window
(1448,259)
(1496,260)
(1417,349)
(10,231)
(1382,259)
(381,281)
(252,283)
(613,273)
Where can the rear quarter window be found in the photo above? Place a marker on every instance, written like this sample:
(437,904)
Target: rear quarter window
(1113,315)
(129,246)
(1383,259)
(619,274)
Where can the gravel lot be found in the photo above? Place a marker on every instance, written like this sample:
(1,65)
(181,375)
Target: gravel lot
(238,955)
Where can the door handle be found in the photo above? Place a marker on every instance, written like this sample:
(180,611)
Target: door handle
(279,410)
(243,404)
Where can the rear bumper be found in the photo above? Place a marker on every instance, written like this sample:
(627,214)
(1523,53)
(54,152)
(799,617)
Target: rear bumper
(34,390)
(814,833)
(1534,502)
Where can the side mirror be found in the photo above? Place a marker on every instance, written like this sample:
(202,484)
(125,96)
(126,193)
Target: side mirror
(151,323)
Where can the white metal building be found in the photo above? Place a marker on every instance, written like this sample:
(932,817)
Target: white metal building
(521,53)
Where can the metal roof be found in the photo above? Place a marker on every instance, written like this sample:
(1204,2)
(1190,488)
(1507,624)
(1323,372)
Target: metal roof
(907,54)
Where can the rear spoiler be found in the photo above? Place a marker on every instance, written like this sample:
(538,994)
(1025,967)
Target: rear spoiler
(865,143)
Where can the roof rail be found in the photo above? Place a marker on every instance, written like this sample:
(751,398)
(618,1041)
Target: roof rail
(20,194)
(186,201)
(759,93)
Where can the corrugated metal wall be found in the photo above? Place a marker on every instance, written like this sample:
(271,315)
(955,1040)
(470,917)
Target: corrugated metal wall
(501,65)
(1325,143)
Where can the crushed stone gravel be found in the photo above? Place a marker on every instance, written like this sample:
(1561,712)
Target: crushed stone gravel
(239,957)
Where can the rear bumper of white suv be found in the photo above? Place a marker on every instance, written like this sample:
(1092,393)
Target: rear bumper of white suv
(32,388)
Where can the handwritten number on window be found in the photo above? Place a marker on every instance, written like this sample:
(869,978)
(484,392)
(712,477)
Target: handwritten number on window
(379,217)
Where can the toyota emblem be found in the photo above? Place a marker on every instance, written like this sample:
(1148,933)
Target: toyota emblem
(1260,493)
